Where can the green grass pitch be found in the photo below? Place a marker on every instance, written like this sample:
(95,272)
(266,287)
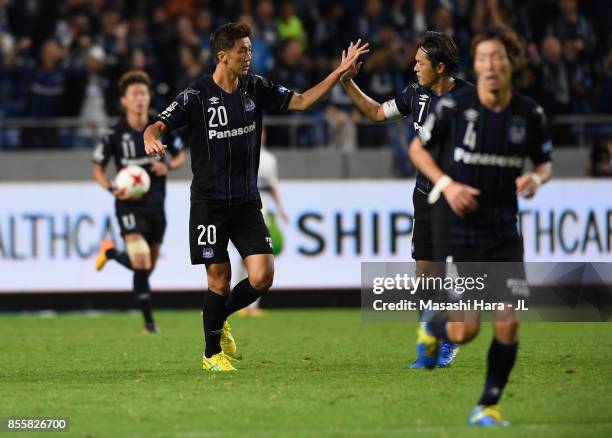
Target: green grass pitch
(308,373)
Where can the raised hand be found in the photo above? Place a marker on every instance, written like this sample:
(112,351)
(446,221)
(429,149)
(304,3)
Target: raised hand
(350,57)
(352,72)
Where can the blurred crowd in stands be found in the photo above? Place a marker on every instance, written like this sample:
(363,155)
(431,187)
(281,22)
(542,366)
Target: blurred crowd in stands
(63,58)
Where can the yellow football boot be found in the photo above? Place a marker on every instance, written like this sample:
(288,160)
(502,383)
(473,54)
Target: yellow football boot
(217,362)
(101,260)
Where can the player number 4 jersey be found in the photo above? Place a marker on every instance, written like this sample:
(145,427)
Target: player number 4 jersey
(486,150)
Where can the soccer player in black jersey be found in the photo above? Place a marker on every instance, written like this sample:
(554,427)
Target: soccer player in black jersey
(484,136)
(436,61)
(223,116)
(143,221)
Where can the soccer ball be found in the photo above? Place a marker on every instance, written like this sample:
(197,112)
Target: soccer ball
(134,180)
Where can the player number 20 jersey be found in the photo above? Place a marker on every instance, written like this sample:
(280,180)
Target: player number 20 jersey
(224,131)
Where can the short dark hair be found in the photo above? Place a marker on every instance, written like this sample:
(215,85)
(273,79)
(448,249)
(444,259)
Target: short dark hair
(223,38)
(133,77)
(515,48)
(440,48)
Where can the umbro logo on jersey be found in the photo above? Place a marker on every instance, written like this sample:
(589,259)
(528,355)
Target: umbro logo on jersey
(214,100)
(423,97)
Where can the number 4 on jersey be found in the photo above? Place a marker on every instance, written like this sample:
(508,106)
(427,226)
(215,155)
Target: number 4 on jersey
(469,139)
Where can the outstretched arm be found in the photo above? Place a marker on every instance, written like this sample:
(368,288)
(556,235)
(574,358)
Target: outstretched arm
(373,110)
(305,100)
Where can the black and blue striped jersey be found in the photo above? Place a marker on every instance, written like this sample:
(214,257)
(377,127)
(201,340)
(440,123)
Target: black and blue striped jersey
(125,145)
(224,131)
(486,150)
(416,102)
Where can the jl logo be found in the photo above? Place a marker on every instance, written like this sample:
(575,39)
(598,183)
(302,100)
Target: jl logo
(208,253)
(269,241)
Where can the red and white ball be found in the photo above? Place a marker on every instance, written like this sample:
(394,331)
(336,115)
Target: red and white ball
(134,180)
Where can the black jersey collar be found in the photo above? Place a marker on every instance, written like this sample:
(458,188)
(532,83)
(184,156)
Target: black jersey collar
(242,84)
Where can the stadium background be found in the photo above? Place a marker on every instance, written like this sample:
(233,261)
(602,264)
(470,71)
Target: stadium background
(346,182)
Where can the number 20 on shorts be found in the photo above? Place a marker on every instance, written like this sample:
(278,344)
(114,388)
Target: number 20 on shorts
(208,235)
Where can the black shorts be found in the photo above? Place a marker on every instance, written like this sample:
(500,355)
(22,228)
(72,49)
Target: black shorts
(211,226)
(499,265)
(422,230)
(149,224)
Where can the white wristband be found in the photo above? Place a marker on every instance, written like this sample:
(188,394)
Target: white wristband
(437,190)
(536,179)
